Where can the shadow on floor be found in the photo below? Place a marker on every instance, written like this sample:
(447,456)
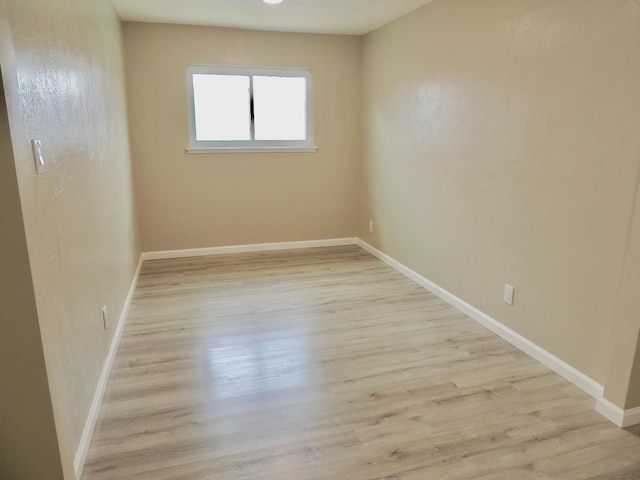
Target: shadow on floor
(635,430)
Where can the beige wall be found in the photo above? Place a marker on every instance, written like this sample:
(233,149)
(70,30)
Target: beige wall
(206,200)
(632,399)
(79,215)
(623,379)
(501,146)
(27,428)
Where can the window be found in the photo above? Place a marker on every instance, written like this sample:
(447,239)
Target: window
(249,109)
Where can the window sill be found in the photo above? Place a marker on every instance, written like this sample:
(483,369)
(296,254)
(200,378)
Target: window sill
(253,150)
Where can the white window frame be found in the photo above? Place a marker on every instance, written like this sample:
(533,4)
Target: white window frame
(199,146)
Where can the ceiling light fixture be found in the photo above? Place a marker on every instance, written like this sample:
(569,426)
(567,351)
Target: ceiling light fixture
(272,2)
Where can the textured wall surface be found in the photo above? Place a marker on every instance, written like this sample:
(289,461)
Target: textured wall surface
(501,147)
(500,143)
(27,426)
(79,215)
(206,200)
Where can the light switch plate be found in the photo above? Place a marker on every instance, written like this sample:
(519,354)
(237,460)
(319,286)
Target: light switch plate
(508,294)
(38,158)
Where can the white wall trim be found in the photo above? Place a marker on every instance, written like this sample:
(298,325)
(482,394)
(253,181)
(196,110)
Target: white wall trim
(257,247)
(615,414)
(610,411)
(94,411)
(631,417)
(620,417)
(579,379)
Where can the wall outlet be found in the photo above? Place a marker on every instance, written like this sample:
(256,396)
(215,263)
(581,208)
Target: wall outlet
(508,294)
(105,318)
(371,226)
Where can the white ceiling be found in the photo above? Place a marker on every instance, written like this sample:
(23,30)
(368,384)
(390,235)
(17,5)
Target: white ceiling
(354,17)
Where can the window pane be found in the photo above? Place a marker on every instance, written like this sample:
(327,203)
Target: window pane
(280,105)
(221,107)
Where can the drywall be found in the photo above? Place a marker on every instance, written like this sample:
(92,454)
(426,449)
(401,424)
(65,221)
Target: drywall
(26,416)
(208,200)
(633,396)
(622,386)
(78,215)
(501,147)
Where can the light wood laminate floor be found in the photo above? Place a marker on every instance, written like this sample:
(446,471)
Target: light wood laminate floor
(327,364)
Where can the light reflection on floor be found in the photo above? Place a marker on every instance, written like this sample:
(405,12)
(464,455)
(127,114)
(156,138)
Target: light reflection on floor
(258,362)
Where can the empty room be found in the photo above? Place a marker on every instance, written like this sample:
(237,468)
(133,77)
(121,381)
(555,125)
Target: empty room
(320,239)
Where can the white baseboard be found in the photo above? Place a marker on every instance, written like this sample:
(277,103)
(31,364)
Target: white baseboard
(610,411)
(257,247)
(620,417)
(92,418)
(588,385)
(631,417)
(615,414)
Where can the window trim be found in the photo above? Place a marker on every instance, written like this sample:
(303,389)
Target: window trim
(257,146)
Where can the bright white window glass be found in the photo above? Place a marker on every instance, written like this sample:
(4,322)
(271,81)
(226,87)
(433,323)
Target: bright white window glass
(222,107)
(245,108)
(280,108)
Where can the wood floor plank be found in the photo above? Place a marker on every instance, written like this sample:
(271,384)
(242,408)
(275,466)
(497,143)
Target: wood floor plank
(327,364)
